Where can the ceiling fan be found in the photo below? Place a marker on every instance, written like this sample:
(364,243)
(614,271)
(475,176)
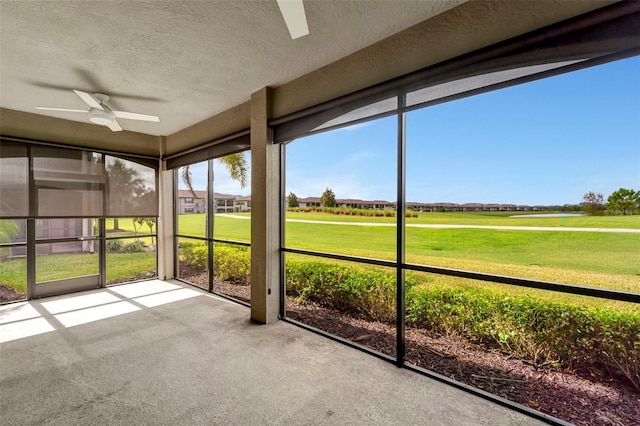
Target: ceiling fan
(100,113)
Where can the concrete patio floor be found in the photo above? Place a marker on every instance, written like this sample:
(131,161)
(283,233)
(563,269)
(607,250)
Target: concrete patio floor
(163,353)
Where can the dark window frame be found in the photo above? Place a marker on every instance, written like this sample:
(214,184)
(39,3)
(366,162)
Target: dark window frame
(614,30)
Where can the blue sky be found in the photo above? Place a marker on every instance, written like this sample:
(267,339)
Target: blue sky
(546,142)
(222,181)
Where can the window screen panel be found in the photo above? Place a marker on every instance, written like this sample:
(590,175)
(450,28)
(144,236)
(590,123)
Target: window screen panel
(68,182)
(221,147)
(131,188)
(14,180)
(370,110)
(469,84)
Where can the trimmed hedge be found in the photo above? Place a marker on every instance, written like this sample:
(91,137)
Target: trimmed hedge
(367,294)
(230,263)
(567,336)
(534,329)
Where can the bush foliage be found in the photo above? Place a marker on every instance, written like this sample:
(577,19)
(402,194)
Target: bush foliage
(603,341)
(133,247)
(115,245)
(119,246)
(540,331)
(230,263)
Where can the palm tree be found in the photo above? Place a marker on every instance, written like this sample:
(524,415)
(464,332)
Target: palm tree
(235,164)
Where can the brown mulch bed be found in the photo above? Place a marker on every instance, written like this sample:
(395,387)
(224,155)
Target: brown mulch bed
(139,277)
(570,397)
(8,294)
(199,278)
(560,394)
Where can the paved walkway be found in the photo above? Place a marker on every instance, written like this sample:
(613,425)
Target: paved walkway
(454,226)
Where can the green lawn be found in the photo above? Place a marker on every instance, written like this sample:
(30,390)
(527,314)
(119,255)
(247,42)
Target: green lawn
(486,219)
(608,260)
(126,224)
(612,253)
(125,229)
(597,252)
(59,266)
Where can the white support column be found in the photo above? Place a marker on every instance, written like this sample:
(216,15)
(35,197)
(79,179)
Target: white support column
(265,213)
(164,227)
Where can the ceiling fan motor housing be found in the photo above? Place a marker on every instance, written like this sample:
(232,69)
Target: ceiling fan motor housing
(102,117)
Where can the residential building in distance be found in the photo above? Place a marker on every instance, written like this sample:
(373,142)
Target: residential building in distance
(224,203)
(421,207)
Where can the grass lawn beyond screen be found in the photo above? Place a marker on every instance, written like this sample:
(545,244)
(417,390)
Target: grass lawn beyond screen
(614,253)
(54,267)
(598,259)
(486,219)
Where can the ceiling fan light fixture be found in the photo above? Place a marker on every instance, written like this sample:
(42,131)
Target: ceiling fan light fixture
(99,112)
(101,117)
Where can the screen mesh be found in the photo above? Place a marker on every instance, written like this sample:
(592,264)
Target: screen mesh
(68,182)
(131,188)
(14,180)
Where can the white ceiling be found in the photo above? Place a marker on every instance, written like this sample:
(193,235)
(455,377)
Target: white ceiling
(183,61)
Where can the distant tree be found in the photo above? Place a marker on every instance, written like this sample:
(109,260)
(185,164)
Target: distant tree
(293,200)
(623,202)
(127,184)
(593,203)
(571,208)
(328,198)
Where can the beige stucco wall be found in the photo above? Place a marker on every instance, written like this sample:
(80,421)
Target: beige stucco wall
(228,122)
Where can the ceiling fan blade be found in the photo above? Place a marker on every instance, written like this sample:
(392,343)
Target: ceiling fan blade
(115,95)
(135,116)
(115,127)
(89,99)
(61,109)
(294,16)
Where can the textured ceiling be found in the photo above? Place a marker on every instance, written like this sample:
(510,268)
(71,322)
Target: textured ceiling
(183,61)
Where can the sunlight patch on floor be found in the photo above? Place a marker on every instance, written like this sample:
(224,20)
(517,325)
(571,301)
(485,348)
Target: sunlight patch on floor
(22,329)
(17,312)
(25,319)
(96,313)
(75,303)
